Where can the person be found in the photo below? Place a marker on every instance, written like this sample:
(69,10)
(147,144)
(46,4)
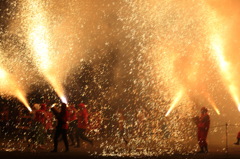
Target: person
(203,123)
(40,123)
(49,123)
(72,123)
(61,127)
(238,139)
(82,125)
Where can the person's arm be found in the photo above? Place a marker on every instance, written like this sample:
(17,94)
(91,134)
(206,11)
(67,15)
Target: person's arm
(55,112)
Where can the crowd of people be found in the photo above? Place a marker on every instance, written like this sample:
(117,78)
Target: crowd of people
(67,122)
(70,123)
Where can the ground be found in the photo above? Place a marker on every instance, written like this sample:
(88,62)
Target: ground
(20,150)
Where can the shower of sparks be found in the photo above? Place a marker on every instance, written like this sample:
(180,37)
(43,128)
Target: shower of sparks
(225,67)
(39,40)
(213,104)
(7,84)
(174,103)
(134,54)
(20,96)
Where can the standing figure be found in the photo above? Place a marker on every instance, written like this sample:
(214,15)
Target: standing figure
(40,124)
(62,126)
(203,124)
(82,116)
(238,139)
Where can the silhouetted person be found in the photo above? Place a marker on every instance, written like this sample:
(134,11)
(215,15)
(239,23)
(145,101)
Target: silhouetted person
(238,139)
(203,124)
(62,126)
(82,116)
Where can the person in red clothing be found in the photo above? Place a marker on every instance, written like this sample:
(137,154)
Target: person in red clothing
(62,126)
(40,124)
(238,139)
(203,124)
(82,124)
(72,122)
(40,115)
(49,123)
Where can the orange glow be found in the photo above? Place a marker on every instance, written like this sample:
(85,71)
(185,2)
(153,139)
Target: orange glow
(3,74)
(225,67)
(174,103)
(9,86)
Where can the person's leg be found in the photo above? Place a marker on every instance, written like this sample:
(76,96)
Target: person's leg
(204,141)
(238,141)
(71,133)
(204,145)
(200,142)
(55,140)
(82,135)
(77,136)
(64,136)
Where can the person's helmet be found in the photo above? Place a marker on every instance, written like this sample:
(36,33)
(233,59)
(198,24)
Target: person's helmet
(204,109)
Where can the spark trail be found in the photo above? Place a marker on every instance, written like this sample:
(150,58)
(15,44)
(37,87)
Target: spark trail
(40,41)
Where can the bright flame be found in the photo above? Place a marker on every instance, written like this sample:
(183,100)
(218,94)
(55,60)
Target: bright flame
(225,67)
(3,73)
(21,97)
(239,107)
(9,86)
(174,103)
(39,39)
(63,99)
